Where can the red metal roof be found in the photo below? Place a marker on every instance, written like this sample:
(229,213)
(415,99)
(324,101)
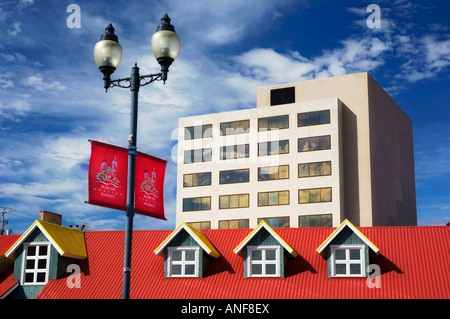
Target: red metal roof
(414,263)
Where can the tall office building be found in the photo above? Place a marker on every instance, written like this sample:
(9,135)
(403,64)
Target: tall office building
(310,154)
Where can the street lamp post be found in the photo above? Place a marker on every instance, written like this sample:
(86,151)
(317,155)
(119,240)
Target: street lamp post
(108,54)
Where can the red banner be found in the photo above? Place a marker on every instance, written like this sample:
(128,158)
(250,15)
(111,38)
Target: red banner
(149,185)
(108,176)
(108,171)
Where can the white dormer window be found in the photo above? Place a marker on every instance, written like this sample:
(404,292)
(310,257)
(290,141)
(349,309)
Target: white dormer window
(347,261)
(263,261)
(183,261)
(36,263)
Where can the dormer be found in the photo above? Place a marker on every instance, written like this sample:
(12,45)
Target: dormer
(43,253)
(347,251)
(264,252)
(186,252)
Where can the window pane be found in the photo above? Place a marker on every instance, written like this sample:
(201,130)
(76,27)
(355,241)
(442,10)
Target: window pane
(263,173)
(176,255)
(325,194)
(207,130)
(176,269)
(263,149)
(189,255)
(206,179)
(224,127)
(243,200)
(270,254)
(206,203)
(198,156)
(283,222)
(256,254)
(303,144)
(273,123)
(339,254)
(30,264)
(304,221)
(187,180)
(325,142)
(303,196)
(242,151)
(42,264)
(283,198)
(224,177)
(324,117)
(188,157)
(207,154)
(314,195)
(243,223)
(303,170)
(243,175)
(314,169)
(340,269)
(187,204)
(314,221)
(303,119)
(29,277)
(234,201)
(273,198)
(283,147)
(313,143)
(189,270)
(43,250)
(31,251)
(256,269)
(40,277)
(283,172)
(263,199)
(355,269)
(189,133)
(245,125)
(313,118)
(325,221)
(325,168)
(270,269)
(355,254)
(263,124)
(283,121)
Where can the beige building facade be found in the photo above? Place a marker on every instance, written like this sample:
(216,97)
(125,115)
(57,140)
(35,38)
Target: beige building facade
(310,154)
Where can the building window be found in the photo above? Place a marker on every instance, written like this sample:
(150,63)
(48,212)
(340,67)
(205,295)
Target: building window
(235,127)
(233,224)
(313,118)
(197,179)
(197,156)
(315,221)
(271,173)
(347,261)
(36,265)
(273,148)
(199,131)
(276,222)
(234,201)
(234,176)
(273,123)
(234,151)
(273,198)
(200,225)
(314,143)
(196,203)
(282,96)
(263,261)
(314,195)
(183,262)
(314,169)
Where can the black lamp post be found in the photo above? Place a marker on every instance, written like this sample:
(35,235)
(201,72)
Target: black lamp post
(108,54)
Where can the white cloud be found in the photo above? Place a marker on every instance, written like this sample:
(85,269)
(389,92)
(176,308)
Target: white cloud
(38,83)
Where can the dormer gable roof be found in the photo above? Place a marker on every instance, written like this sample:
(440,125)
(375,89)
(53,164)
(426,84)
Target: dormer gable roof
(69,242)
(346,223)
(264,225)
(197,235)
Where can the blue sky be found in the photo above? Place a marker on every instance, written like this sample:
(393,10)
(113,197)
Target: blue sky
(52,98)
